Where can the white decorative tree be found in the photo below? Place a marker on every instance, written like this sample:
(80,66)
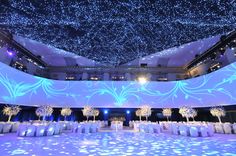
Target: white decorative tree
(38,114)
(146,111)
(95,113)
(218,112)
(187,112)
(10,111)
(44,111)
(66,112)
(193,114)
(167,112)
(138,113)
(87,111)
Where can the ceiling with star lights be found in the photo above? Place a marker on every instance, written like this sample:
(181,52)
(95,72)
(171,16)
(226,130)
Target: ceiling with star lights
(116,32)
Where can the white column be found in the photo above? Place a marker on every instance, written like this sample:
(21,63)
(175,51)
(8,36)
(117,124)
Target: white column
(106,76)
(85,76)
(128,76)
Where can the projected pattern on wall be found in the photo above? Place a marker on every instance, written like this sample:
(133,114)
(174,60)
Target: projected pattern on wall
(216,88)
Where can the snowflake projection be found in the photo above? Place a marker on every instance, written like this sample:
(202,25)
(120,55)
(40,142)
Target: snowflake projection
(116,32)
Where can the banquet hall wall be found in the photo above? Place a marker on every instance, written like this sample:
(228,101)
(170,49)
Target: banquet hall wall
(28,113)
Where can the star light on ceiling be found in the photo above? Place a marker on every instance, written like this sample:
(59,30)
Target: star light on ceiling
(116,32)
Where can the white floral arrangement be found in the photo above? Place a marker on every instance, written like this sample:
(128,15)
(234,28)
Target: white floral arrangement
(66,111)
(87,111)
(138,113)
(218,112)
(167,112)
(183,111)
(44,110)
(187,112)
(146,111)
(10,111)
(95,113)
(193,113)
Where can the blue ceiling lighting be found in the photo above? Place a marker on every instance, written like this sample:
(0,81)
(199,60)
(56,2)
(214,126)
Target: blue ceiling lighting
(116,32)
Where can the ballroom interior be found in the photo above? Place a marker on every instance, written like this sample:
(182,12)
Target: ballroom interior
(117,77)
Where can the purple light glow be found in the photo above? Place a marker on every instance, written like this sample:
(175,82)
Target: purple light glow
(10,53)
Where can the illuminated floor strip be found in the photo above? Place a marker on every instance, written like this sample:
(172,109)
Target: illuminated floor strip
(117,143)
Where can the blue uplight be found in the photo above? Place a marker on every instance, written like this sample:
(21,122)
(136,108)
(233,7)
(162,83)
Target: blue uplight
(127,112)
(105,111)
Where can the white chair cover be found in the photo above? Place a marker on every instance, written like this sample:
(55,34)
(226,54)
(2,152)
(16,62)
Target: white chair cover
(204,131)
(227,128)
(234,128)
(87,128)
(15,126)
(105,123)
(22,130)
(50,130)
(175,129)
(157,128)
(131,124)
(120,126)
(93,128)
(162,126)
(75,127)
(40,130)
(150,128)
(31,129)
(136,127)
(80,128)
(116,125)
(63,125)
(146,129)
(1,127)
(219,128)
(210,130)
(141,128)
(183,130)
(193,131)
(7,128)
(57,129)
(69,125)
(169,127)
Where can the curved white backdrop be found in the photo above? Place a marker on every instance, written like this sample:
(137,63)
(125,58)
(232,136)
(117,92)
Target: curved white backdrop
(218,88)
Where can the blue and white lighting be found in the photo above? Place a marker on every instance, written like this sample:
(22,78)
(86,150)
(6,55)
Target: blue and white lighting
(216,88)
(117,32)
